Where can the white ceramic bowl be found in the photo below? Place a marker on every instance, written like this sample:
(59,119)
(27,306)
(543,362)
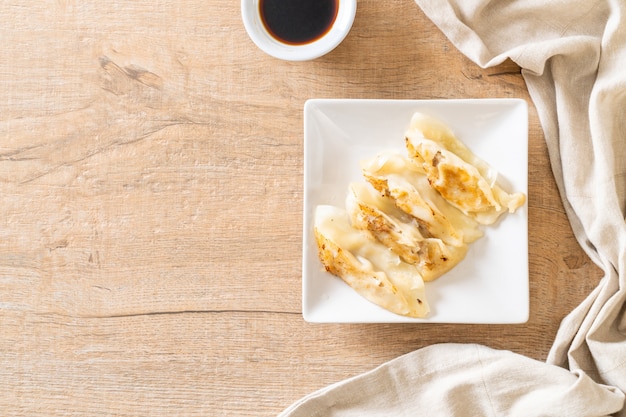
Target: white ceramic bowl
(304,52)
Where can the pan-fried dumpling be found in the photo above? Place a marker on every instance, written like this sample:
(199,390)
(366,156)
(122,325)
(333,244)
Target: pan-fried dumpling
(463,179)
(371,211)
(397,177)
(437,131)
(365,264)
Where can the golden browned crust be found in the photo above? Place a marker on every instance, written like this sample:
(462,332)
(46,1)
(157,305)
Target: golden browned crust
(373,285)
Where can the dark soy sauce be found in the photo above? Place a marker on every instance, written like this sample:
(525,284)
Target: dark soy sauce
(298,22)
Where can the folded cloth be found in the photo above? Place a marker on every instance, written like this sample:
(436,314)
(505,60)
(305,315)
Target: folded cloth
(462,380)
(571,54)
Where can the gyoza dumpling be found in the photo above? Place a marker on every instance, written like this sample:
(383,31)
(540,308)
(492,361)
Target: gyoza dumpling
(437,131)
(399,231)
(462,178)
(397,177)
(367,266)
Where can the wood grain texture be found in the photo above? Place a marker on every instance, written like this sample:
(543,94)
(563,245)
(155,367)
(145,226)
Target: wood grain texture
(151,211)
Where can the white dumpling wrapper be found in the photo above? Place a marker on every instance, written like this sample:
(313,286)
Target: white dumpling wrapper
(376,213)
(394,175)
(368,266)
(463,179)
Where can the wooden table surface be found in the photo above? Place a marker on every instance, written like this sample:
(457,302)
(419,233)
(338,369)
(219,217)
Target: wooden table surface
(151,162)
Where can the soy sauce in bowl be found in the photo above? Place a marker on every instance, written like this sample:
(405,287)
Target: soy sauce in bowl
(298,22)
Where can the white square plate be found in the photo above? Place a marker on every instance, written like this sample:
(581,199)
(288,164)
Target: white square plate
(491,284)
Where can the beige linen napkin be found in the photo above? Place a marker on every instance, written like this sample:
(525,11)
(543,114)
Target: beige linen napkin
(573,58)
(461,380)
